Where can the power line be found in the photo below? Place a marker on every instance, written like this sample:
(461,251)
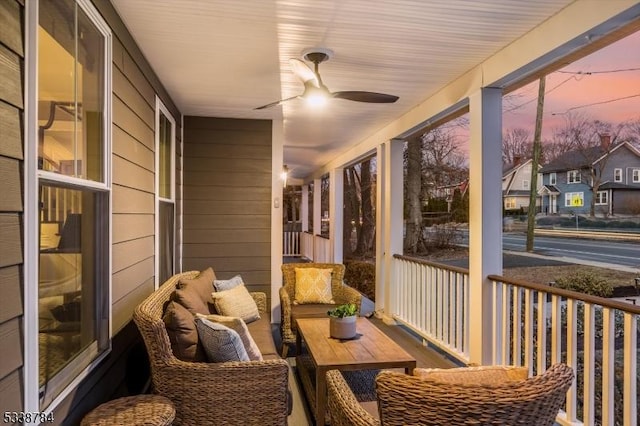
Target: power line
(547,92)
(598,72)
(597,103)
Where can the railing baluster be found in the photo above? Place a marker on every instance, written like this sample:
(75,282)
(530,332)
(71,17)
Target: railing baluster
(506,331)
(542,332)
(572,357)
(517,327)
(630,393)
(608,371)
(528,330)
(556,332)
(589,364)
(498,326)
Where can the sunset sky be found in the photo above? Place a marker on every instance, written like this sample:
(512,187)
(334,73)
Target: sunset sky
(566,92)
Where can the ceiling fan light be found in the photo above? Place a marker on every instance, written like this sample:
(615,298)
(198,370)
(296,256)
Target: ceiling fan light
(316,100)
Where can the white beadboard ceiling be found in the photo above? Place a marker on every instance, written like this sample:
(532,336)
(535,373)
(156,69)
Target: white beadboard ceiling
(224,58)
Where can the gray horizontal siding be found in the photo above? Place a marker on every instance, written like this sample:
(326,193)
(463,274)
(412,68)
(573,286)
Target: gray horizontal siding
(227,198)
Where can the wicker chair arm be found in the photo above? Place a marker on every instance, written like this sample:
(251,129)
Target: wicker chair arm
(260,298)
(247,393)
(285,316)
(342,404)
(348,295)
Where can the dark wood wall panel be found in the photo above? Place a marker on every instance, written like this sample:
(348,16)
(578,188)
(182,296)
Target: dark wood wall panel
(128,121)
(11,131)
(11,296)
(227,165)
(121,284)
(122,308)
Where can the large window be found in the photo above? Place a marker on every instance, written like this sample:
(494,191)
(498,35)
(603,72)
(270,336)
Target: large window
(574,199)
(635,175)
(602,197)
(73,192)
(573,176)
(617,175)
(552,178)
(165,193)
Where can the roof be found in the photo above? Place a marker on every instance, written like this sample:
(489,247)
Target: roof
(575,159)
(548,189)
(617,185)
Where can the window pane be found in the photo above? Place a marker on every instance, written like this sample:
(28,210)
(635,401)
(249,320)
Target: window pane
(68,279)
(165,132)
(70,92)
(166,240)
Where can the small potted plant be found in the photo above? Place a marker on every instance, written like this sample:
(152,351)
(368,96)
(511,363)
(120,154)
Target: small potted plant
(342,321)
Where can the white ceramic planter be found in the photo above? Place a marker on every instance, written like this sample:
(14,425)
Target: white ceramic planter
(342,328)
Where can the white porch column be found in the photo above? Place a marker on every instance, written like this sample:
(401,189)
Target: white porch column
(336,213)
(317,207)
(304,208)
(389,222)
(485,217)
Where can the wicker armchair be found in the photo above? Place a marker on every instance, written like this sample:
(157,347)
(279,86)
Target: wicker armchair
(229,393)
(342,293)
(404,399)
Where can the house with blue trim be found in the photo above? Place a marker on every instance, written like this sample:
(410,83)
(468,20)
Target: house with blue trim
(600,180)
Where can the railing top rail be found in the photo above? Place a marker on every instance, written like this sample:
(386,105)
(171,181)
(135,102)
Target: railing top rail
(430,263)
(587,298)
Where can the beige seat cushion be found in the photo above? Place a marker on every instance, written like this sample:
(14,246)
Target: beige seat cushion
(239,326)
(182,333)
(236,302)
(313,285)
(261,332)
(195,294)
(484,375)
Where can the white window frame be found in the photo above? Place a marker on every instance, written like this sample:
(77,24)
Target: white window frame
(553,178)
(510,203)
(162,109)
(600,196)
(617,175)
(574,176)
(33,175)
(635,175)
(569,195)
(526,184)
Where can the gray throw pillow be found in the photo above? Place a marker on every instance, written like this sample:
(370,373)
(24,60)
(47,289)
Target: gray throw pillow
(220,343)
(239,326)
(222,285)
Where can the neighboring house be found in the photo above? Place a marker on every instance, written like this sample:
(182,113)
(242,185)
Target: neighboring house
(569,181)
(516,185)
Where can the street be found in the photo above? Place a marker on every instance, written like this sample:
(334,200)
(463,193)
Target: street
(612,252)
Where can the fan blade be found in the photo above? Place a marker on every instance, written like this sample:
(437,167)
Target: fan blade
(303,72)
(277,102)
(372,97)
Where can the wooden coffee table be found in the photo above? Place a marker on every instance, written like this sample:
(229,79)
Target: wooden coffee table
(372,349)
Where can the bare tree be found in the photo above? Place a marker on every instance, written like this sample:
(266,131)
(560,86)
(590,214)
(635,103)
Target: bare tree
(442,162)
(516,143)
(367,229)
(414,239)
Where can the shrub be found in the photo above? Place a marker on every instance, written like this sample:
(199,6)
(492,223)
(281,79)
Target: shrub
(443,236)
(361,276)
(585,282)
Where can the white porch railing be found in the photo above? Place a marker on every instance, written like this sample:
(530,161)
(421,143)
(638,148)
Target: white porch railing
(537,325)
(533,325)
(291,243)
(433,300)
(315,247)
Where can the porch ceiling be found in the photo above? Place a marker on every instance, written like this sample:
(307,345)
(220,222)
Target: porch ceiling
(223,58)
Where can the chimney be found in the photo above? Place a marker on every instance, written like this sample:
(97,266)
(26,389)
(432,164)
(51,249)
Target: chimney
(605,141)
(516,160)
